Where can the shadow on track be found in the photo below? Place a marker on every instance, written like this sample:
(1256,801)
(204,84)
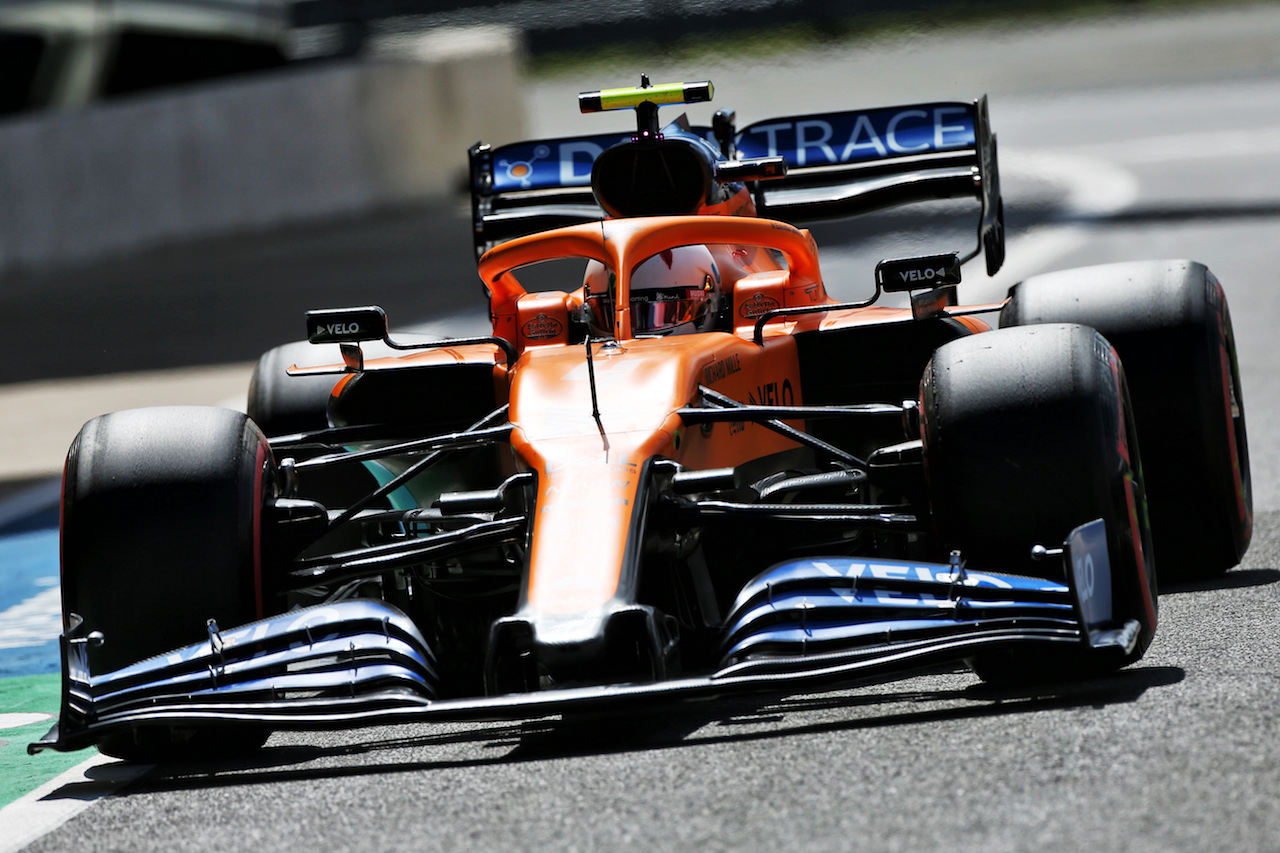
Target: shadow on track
(1258,569)
(1237,579)
(600,735)
(725,721)
(1223,210)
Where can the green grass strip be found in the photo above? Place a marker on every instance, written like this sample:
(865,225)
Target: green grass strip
(21,773)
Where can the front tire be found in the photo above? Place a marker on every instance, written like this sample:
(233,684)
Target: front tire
(161,531)
(1028,434)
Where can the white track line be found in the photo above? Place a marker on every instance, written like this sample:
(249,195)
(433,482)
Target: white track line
(1193,145)
(33,816)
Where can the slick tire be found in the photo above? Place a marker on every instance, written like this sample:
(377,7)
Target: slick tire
(1028,434)
(1170,324)
(161,532)
(281,404)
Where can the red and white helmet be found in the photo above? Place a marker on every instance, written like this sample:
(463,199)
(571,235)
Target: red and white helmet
(677,291)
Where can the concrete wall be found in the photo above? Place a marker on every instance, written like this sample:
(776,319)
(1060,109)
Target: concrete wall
(301,144)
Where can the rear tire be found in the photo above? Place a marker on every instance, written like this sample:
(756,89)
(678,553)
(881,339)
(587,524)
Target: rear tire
(1170,324)
(1028,434)
(281,404)
(161,531)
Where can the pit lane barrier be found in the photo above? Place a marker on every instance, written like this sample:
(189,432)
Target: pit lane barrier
(306,143)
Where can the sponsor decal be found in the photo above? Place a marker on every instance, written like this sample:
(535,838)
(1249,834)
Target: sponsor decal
(557,162)
(769,394)
(542,327)
(924,276)
(757,306)
(521,171)
(1085,573)
(850,137)
(554,163)
(304,620)
(905,572)
(720,370)
(333,330)
(1091,573)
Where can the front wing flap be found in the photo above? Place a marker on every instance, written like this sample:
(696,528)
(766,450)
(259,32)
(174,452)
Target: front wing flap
(802,625)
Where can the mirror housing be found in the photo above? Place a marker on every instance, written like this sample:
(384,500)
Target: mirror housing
(901,275)
(346,325)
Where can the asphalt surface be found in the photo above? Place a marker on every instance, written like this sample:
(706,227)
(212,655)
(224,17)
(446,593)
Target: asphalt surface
(1179,752)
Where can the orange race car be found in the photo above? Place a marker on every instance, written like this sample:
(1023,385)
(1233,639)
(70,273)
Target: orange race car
(685,472)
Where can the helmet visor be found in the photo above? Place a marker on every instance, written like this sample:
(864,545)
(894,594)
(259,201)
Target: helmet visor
(654,311)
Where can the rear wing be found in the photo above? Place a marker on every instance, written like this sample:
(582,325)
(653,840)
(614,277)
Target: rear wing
(838,164)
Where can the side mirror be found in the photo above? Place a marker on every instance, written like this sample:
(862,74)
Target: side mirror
(346,325)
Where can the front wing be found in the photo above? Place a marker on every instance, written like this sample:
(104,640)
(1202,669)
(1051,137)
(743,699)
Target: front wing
(804,624)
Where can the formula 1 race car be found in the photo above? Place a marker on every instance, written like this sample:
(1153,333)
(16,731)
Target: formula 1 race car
(687,472)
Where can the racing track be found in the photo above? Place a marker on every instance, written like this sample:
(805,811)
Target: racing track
(1181,752)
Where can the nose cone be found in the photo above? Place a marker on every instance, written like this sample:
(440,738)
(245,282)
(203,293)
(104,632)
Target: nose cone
(599,477)
(589,468)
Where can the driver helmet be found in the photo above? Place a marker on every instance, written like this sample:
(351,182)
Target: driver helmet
(677,291)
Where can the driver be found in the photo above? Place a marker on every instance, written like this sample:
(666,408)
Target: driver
(677,291)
